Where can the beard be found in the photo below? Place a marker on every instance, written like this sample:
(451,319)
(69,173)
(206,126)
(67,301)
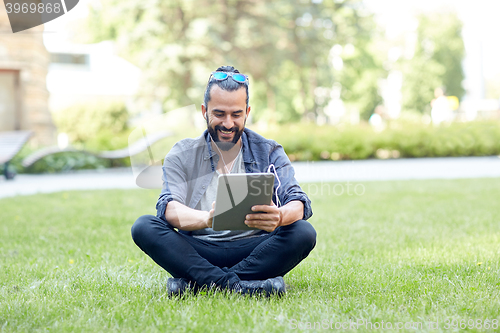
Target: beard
(224,145)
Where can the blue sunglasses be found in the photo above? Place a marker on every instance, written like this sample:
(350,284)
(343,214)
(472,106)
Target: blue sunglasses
(221,76)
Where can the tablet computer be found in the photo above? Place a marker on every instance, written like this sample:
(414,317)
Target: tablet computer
(236,194)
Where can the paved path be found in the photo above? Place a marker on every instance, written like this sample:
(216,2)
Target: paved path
(399,169)
(327,171)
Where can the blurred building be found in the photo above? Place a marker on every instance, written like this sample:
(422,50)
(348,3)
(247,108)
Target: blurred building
(24,61)
(79,73)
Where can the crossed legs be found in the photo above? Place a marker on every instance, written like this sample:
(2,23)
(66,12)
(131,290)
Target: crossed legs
(224,263)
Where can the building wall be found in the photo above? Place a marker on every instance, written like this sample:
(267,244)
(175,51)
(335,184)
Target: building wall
(24,55)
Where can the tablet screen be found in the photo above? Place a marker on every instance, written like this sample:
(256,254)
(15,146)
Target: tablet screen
(236,194)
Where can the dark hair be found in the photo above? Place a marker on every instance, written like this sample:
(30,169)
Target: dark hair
(228,84)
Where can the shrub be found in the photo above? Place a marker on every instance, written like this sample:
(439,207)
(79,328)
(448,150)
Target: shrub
(401,139)
(98,125)
(307,142)
(67,161)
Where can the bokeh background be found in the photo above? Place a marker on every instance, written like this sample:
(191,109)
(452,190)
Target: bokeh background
(332,80)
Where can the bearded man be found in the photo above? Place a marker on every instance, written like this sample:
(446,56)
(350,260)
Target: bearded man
(180,237)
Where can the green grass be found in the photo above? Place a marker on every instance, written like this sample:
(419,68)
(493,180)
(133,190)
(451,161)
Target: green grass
(403,251)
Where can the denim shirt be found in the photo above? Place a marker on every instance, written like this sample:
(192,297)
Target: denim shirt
(189,166)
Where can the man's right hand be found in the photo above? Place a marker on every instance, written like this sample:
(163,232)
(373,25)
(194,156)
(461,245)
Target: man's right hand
(211,216)
(188,219)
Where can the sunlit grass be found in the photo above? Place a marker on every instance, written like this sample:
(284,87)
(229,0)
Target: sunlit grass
(405,251)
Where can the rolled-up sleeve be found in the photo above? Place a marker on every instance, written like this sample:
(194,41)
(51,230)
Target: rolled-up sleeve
(290,189)
(174,182)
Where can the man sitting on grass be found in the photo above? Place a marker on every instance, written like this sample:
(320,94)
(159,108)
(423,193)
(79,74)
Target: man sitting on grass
(180,238)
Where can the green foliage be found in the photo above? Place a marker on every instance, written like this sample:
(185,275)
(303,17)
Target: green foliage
(67,161)
(94,127)
(62,162)
(403,251)
(421,78)
(363,92)
(307,142)
(283,45)
(459,139)
(311,142)
(99,125)
(441,38)
(78,160)
(437,61)
(362,68)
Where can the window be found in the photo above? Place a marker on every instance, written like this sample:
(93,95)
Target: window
(69,58)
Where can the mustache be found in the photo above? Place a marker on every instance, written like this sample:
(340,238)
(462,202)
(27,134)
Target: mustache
(219,127)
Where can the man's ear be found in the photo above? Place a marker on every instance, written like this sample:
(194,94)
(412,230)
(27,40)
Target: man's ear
(248,110)
(204,111)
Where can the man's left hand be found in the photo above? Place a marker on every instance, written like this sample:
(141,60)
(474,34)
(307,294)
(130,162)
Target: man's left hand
(269,220)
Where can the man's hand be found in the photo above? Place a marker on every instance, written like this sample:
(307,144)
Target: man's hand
(211,216)
(188,219)
(269,220)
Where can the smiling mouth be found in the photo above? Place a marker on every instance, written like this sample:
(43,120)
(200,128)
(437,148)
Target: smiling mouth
(226,133)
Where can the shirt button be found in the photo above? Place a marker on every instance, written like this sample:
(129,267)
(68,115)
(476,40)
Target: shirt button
(203,186)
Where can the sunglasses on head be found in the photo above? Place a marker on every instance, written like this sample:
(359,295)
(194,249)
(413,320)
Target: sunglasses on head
(221,76)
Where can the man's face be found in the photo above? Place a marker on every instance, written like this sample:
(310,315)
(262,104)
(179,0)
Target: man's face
(227,116)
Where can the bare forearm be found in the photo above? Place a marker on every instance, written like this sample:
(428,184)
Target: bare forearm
(185,218)
(291,212)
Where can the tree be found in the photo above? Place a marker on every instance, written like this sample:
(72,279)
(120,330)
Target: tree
(283,45)
(362,65)
(437,61)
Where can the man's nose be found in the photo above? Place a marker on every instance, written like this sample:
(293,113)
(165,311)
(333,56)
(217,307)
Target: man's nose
(228,122)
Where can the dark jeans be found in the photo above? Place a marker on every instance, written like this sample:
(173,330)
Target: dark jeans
(224,263)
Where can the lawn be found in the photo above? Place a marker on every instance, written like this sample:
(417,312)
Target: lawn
(405,253)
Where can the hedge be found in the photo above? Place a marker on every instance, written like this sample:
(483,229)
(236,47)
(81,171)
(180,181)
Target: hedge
(310,142)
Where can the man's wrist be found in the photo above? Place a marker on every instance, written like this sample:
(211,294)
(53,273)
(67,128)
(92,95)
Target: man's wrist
(206,220)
